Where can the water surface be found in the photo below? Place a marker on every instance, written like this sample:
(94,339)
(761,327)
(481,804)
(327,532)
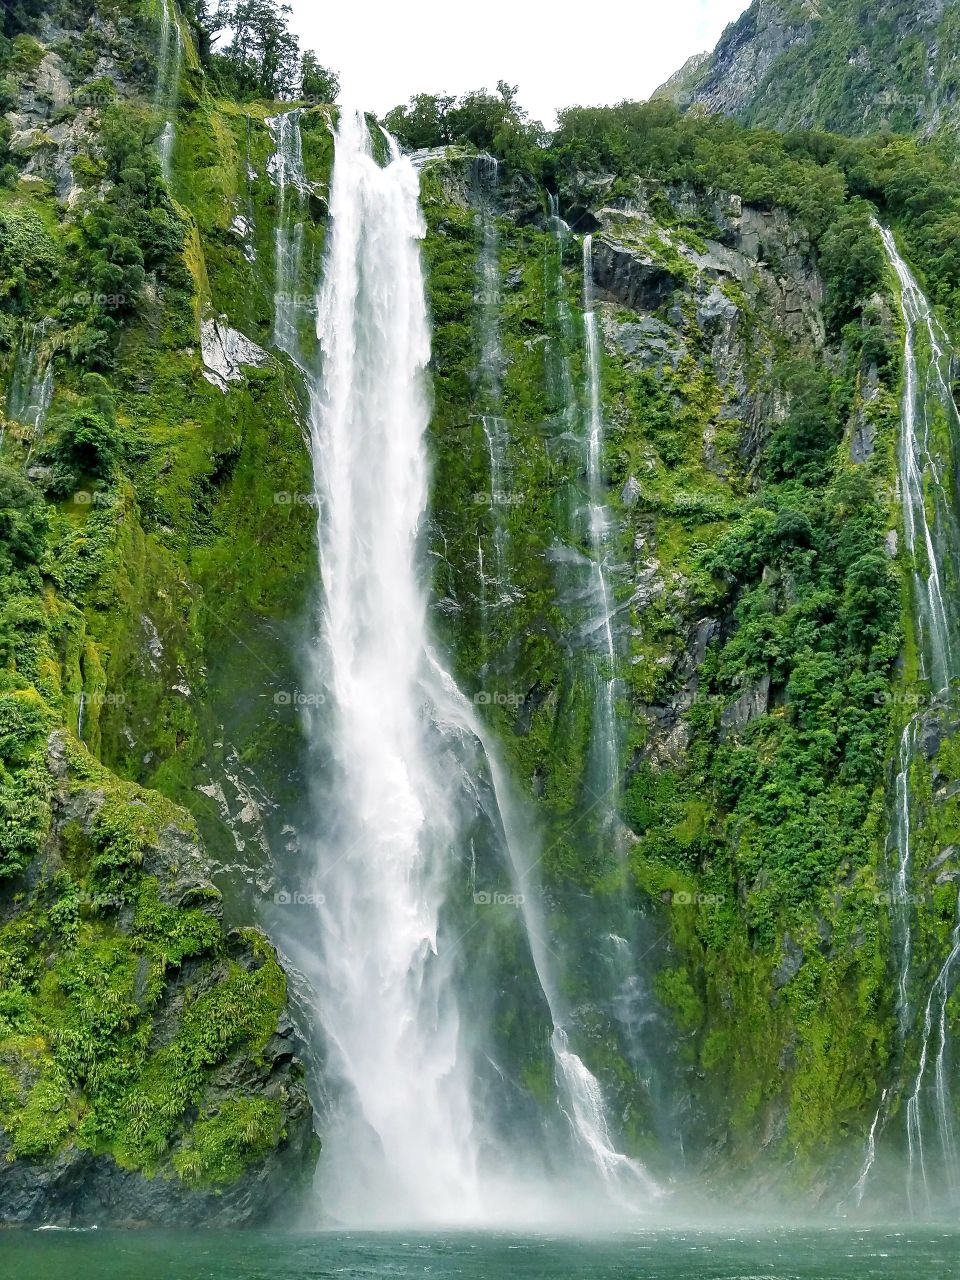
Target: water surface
(909,1253)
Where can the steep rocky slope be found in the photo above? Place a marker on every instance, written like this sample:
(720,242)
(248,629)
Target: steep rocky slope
(148,1067)
(831,64)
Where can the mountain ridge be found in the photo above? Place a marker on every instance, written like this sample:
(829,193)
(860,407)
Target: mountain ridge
(836,65)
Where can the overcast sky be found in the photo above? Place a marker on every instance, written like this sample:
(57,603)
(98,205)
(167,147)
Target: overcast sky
(560,55)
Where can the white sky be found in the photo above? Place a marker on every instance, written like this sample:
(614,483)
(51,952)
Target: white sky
(561,54)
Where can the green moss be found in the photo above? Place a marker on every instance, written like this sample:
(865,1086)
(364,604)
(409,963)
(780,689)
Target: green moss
(221,1144)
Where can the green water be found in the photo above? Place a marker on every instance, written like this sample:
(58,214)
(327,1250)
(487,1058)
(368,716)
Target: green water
(910,1253)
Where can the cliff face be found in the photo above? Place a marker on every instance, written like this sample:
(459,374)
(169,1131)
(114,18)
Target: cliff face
(149,1069)
(712,318)
(663,537)
(831,64)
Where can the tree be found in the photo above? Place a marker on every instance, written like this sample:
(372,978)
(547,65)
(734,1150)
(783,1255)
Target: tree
(317,83)
(263,56)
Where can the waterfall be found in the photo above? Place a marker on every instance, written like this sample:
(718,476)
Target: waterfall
(606,766)
(167,92)
(486,180)
(624,1181)
(30,391)
(386,981)
(930,515)
(406,763)
(927,459)
(290,180)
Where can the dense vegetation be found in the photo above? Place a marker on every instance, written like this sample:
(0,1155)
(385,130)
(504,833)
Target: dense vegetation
(154,544)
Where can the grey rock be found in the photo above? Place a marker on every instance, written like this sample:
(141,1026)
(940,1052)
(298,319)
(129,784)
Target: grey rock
(891,542)
(706,630)
(752,703)
(224,351)
(862,442)
(52,83)
(931,736)
(631,277)
(791,961)
(728,80)
(716,308)
(631,492)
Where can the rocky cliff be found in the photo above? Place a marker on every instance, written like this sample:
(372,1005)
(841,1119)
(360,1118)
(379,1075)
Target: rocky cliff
(831,64)
(667,565)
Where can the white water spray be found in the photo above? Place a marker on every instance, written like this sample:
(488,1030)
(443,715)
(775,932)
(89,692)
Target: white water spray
(30,392)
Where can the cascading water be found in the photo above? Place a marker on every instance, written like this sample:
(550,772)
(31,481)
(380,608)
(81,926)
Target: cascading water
(290,180)
(606,751)
(31,383)
(928,454)
(496,431)
(167,93)
(392,988)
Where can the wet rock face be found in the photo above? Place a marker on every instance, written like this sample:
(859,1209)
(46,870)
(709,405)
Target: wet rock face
(632,279)
(76,1186)
(751,704)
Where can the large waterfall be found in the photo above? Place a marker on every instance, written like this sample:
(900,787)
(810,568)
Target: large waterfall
(929,452)
(413,786)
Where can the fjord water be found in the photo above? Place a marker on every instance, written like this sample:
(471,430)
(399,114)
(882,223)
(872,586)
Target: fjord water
(915,1253)
(929,449)
(420,1122)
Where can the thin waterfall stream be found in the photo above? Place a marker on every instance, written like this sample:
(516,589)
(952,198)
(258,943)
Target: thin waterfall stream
(30,391)
(167,92)
(606,753)
(929,449)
